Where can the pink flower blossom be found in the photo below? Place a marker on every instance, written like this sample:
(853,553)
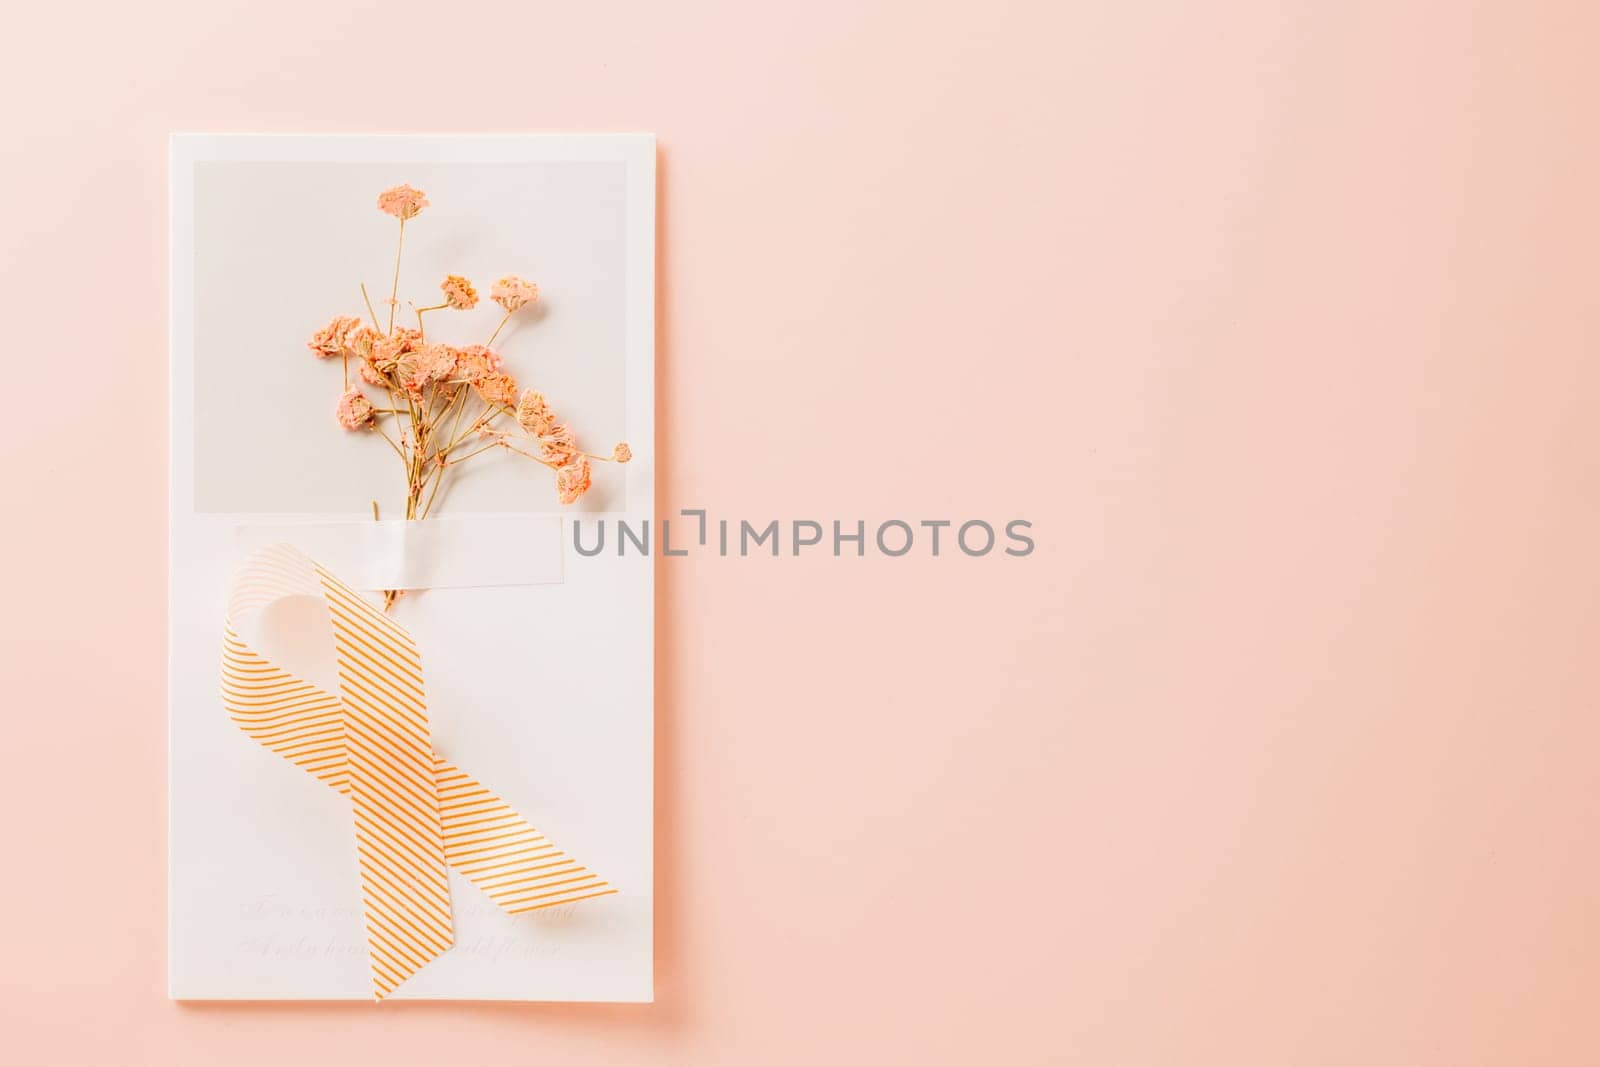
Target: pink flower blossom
(459,293)
(330,340)
(402,201)
(512,292)
(474,361)
(557,446)
(622,453)
(386,351)
(533,414)
(498,390)
(573,480)
(359,341)
(370,374)
(423,365)
(355,411)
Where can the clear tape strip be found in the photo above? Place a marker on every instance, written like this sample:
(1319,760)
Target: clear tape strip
(444,553)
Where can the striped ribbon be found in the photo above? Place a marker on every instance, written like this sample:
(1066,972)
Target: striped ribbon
(414,812)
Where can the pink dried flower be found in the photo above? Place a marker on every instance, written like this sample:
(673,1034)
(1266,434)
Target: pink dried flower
(459,293)
(474,361)
(330,340)
(512,292)
(355,411)
(359,341)
(498,390)
(572,481)
(533,414)
(402,201)
(386,351)
(557,446)
(622,453)
(370,374)
(425,364)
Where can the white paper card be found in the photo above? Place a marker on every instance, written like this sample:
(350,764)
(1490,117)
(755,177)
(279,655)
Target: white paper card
(538,661)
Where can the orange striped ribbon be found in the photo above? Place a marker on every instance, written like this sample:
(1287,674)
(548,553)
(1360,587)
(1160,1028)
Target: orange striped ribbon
(414,812)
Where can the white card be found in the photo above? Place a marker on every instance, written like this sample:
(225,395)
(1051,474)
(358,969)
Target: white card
(539,673)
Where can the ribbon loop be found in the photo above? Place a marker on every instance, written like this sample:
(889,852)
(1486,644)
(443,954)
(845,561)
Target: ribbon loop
(414,812)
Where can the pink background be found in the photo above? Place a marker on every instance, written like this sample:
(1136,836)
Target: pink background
(1279,322)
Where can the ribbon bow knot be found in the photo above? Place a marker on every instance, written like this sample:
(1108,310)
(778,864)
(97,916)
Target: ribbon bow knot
(414,812)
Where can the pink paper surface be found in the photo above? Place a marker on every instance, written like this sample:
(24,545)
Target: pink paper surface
(1279,322)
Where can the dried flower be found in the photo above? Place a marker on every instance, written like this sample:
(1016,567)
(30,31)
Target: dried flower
(370,374)
(416,376)
(512,293)
(557,446)
(533,414)
(386,351)
(474,361)
(402,201)
(330,340)
(459,293)
(359,341)
(572,481)
(423,365)
(355,411)
(498,390)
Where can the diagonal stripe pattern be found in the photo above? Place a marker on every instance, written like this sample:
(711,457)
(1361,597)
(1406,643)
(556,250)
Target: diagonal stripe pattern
(414,813)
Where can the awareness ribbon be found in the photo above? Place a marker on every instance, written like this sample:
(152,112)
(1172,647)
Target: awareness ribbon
(414,812)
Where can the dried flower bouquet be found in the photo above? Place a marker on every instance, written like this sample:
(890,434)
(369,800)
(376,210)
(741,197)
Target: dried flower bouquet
(441,405)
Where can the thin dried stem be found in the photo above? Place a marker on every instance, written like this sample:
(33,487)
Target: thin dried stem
(394,290)
(485,417)
(461,392)
(368,300)
(503,320)
(390,440)
(530,455)
(479,451)
(438,480)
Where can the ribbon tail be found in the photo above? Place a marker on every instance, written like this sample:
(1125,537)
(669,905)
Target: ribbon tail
(496,849)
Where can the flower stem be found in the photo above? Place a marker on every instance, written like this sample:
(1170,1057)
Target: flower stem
(438,480)
(530,455)
(391,441)
(503,320)
(479,451)
(394,289)
(485,417)
(368,300)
